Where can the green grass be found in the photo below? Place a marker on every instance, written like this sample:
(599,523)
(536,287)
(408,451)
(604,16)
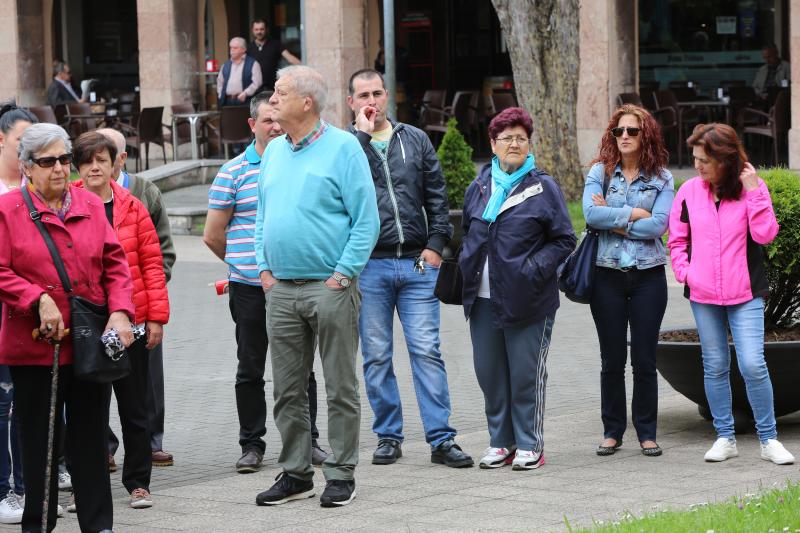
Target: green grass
(776,510)
(576,216)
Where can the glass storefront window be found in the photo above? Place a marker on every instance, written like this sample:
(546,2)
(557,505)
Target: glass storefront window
(706,42)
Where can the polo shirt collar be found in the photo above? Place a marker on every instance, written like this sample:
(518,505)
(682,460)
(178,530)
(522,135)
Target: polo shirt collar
(251,155)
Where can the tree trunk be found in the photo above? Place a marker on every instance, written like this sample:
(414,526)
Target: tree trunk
(543,40)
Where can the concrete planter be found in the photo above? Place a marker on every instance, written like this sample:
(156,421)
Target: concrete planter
(681,364)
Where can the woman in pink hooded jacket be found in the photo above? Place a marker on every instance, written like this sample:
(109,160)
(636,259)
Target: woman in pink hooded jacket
(718,223)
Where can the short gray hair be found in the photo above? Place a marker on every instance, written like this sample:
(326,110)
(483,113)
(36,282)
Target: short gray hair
(255,102)
(37,137)
(307,82)
(58,68)
(238,40)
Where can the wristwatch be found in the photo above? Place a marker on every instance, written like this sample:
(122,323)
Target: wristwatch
(341,279)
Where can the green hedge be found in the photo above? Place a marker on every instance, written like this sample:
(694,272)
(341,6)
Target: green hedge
(455,156)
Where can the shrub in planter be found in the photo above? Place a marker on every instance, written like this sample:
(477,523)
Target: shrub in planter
(783,254)
(455,156)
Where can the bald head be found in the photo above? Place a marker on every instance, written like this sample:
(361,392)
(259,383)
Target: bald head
(119,141)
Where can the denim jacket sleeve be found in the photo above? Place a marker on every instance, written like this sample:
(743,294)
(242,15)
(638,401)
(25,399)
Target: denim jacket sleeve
(599,216)
(655,226)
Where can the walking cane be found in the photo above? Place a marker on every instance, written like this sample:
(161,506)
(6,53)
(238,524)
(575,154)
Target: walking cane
(51,429)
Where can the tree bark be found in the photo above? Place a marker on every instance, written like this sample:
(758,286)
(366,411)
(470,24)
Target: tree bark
(543,40)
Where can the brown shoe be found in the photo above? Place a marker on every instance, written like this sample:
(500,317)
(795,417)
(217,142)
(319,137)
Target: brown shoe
(112,464)
(161,458)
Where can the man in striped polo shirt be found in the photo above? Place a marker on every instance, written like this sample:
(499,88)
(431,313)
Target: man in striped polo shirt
(230,223)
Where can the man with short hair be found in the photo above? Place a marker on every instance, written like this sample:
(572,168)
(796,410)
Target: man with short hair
(772,72)
(239,78)
(268,53)
(228,233)
(60,90)
(316,225)
(150,195)
(401,274)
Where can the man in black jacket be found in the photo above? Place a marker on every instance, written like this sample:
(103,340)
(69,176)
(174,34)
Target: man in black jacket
(401,274)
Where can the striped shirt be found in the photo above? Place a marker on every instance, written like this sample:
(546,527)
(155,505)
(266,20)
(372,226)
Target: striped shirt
(236,185)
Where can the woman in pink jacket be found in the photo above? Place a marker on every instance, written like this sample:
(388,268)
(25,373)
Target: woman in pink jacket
(718,223)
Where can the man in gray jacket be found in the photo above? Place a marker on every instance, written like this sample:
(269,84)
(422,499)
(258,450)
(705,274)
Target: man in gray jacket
(401,274)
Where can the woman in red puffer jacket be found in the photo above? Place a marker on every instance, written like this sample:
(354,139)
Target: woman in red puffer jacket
(94,156)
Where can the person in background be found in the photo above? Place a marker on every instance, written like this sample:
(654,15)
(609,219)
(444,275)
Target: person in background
(150,195)
(31,293)
(239,78)
(627,197)
(401,274)
(268,52)
(232,202)
(94,157)
(517,231)
(60,90)
(718,224)
(13,122)
(772,72)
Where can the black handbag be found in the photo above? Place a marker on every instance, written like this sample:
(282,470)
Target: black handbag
(449,284)
(576,274)
(87,322)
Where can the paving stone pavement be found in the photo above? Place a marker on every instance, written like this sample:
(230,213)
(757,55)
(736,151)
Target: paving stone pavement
(202,492)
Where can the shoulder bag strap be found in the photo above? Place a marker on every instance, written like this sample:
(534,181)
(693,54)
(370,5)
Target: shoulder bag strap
(48,240)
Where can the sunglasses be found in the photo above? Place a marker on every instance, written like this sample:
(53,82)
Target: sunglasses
(633,132)
(49,162)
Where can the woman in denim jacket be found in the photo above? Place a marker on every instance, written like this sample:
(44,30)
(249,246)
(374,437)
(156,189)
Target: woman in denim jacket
(630,286)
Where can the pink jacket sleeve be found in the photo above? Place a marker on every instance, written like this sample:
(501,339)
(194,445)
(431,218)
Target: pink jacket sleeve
(116,276)
(679,238)
(15,291)
(760,215)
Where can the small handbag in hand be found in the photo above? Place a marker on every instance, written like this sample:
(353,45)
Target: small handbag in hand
(449,284)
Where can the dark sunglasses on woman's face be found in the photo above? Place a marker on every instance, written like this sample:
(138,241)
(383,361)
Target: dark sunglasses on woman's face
(49,162)
(633,132)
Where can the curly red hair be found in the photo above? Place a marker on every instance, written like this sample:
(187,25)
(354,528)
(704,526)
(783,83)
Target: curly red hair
(653,156)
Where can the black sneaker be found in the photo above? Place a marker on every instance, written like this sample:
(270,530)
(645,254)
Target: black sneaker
(338,493)
(450,454)
(286,489)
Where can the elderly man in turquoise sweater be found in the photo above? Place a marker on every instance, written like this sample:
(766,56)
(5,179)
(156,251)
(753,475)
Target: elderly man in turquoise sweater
(316,226)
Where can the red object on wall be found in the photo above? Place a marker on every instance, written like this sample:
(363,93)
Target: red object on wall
(212,65)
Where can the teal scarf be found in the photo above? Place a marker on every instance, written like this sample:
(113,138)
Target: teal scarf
(503,183)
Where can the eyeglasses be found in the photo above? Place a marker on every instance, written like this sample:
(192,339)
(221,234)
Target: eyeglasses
(633,132)
(49,162)
(507,141)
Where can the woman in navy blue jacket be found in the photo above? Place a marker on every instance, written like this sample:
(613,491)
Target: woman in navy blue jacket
(516,232)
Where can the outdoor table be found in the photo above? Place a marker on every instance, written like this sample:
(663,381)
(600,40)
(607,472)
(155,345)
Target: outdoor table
(192,118)
(710,103)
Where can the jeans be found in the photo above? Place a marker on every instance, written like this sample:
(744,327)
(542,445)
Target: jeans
(746,321)
(9,461)
(511,367)
(638,298)
(297,315)
(387,284)
(87,418)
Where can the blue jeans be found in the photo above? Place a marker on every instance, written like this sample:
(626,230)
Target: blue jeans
(746,322)
(14,458)
(387,284)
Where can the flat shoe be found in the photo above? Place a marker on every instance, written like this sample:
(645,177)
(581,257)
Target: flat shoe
(655,451)
(609,450)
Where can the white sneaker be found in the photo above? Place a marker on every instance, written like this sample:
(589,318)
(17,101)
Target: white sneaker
(141,499)
(527,460)
(10,509)
(60,511)
(496,457)
(64,481)
(72,508)
(723,448)
(775,452)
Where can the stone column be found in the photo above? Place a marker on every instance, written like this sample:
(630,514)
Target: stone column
(168,53)
(608,67)
(794,52)
(21,52)
(335,44)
